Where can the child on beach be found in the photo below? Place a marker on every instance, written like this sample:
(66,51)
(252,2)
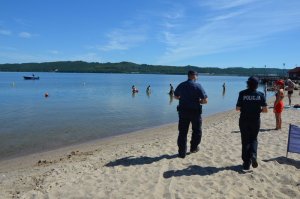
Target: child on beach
(278,104)
(278,108)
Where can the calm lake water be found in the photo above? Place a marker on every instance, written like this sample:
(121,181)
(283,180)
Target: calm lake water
(84,107)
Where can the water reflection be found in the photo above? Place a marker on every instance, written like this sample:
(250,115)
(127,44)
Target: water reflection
(133,94)
(148,93)
(224,90)
(171,92)
(171,99)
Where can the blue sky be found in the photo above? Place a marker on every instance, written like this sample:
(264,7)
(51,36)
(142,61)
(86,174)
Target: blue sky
(204,33)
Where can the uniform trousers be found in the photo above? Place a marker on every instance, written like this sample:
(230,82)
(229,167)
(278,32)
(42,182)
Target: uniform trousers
(249,130)
(185,118)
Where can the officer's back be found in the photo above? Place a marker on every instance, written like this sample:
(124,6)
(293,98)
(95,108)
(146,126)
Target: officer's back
(250,103)
(189,94)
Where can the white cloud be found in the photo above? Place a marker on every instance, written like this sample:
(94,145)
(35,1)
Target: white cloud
(25,35)
(23,22)
(175,13)
(226,16)
(170,38)
(230,30)
(225,4)
(11,57)
(54,52)
(5,32)
(8,48)
(173,16)
(168,24)
(123,39)
(133,34)
(88,57)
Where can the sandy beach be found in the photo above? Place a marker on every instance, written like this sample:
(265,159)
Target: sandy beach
(144,164)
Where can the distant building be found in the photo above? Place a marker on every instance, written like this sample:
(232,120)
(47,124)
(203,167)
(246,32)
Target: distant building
(294,73)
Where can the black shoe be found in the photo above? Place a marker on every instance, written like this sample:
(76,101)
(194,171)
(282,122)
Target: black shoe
(180,155)
(254,162)
(195,150)
(246,166)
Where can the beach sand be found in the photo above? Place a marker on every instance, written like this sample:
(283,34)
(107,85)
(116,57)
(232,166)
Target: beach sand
(144,164)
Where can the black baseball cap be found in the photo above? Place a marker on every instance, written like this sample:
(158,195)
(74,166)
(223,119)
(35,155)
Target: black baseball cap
(192,72)
(253,79)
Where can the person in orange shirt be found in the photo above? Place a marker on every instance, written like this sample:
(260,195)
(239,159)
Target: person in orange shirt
(278,104)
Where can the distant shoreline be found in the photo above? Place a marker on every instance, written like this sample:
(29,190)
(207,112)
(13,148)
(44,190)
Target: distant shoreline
(133,68)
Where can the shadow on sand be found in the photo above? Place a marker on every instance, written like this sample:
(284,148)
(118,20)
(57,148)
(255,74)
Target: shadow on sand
(131,160)
(266,130)
(260,130)
(285,160)
(202,171)
(191,170)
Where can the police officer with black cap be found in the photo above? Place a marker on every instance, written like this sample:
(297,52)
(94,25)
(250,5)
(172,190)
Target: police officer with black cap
(191,95)
(250,103)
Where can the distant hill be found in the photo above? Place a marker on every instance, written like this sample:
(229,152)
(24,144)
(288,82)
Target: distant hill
(129,67)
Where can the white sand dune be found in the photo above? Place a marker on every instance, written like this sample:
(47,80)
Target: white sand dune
(145,165)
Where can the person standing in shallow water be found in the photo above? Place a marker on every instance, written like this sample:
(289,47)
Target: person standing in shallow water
(190,95)
(171,92)
(148,90)
(250,103)
(134,89)
(224,89)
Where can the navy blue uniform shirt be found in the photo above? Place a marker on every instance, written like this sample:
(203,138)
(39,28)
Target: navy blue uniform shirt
(250,103)
(190,93)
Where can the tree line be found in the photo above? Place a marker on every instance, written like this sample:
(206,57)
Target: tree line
(129,67)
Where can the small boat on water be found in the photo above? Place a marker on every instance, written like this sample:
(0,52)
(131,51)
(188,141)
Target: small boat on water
(31,78)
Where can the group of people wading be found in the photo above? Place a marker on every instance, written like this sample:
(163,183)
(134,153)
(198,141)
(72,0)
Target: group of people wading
(148,89)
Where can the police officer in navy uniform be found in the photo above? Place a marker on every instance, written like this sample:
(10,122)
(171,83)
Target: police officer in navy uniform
(250,103)
(191,95)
